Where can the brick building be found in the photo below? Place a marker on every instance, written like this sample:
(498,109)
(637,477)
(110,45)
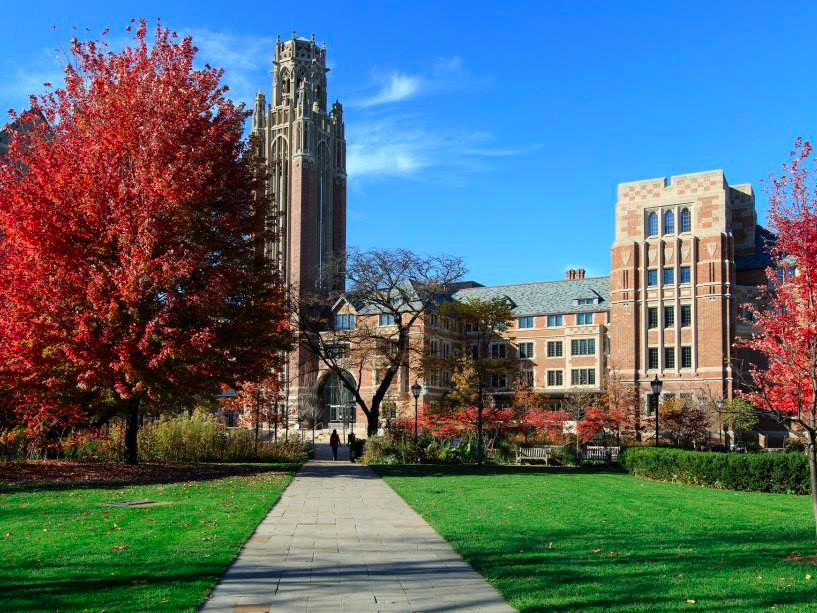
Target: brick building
(687,253)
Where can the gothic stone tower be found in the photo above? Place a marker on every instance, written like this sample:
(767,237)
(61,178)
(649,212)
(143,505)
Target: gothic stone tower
(303,149)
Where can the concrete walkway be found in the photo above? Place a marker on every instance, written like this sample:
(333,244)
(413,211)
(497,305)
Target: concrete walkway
(340,539)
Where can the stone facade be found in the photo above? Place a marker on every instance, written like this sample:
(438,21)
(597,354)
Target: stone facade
(302,147)
(684,259)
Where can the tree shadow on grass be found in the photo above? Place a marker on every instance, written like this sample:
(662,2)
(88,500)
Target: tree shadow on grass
(21,477)
(88,589)
(656,577)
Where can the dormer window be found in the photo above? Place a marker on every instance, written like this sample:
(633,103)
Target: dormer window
(586,301)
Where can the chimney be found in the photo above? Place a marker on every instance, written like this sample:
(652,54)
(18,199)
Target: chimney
(571,274)
(579,273)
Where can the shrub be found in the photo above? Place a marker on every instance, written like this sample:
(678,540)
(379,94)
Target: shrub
(14,442)
(761,472)
(399,447)
(195,438)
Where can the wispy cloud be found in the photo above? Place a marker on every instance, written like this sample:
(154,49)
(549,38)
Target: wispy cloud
(20,81)
(407,146)
(383,142)
(403,146)
(395,87)
(386,87)
(245,58)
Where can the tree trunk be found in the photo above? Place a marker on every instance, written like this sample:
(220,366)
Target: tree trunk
(131,431)
(812,469)
(373,421)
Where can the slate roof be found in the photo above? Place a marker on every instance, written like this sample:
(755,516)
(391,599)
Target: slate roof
(761,258)
(547,297)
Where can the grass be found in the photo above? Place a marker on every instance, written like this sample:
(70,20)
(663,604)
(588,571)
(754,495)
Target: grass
(567,540)
(63,550)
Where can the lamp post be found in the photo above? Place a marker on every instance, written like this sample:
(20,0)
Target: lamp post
(415,391)
(656,384)
(720,405)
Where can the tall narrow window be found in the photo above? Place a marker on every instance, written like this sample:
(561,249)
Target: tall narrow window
(652,317)
(669,358)
(652,358)
(652,277)
(686,315)
(686,220)
(685,274)
(686,357)
(652,224)
(669,223)
(669,316)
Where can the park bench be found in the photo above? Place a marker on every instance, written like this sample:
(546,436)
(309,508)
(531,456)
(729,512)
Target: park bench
(601,454)
(537,452)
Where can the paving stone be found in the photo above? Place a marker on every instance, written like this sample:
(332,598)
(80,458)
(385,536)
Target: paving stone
(340,539)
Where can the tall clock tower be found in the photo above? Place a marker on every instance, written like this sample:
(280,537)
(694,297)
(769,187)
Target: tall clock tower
(303,149)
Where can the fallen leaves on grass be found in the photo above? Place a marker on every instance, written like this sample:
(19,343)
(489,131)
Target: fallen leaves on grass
(119,547)
(802,559)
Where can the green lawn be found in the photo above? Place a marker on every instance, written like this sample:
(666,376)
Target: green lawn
(564,540)
(63,550)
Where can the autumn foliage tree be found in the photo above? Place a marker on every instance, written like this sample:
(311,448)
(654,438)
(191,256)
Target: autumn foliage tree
(256,402)
(131,276)
(785,386)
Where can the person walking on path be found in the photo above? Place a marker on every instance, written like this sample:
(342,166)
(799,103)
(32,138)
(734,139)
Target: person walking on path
(334,443)
(352,454)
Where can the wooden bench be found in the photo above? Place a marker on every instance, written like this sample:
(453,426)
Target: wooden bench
(602,454)
(539,452)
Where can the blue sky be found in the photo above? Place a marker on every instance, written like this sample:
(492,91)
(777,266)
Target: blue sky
(498,133)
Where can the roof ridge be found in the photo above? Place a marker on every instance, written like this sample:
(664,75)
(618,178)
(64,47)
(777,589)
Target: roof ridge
(536,283)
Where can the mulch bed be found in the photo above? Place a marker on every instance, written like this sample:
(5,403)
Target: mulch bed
(111,473)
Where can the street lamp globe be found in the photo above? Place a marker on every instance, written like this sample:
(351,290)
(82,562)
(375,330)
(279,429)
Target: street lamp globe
(415,390)
(656,384)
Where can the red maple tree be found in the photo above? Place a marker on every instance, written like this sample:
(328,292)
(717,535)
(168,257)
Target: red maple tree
(785,383)
(131,274)
(256,402)
(546,421)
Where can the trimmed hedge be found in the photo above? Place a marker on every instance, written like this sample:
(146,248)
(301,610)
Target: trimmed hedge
(761,472)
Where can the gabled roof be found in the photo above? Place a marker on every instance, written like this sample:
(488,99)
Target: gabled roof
(547,297)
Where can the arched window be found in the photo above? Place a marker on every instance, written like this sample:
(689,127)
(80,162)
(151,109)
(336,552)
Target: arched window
(652,224)
(669,223)
(285,81)
(686,220)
